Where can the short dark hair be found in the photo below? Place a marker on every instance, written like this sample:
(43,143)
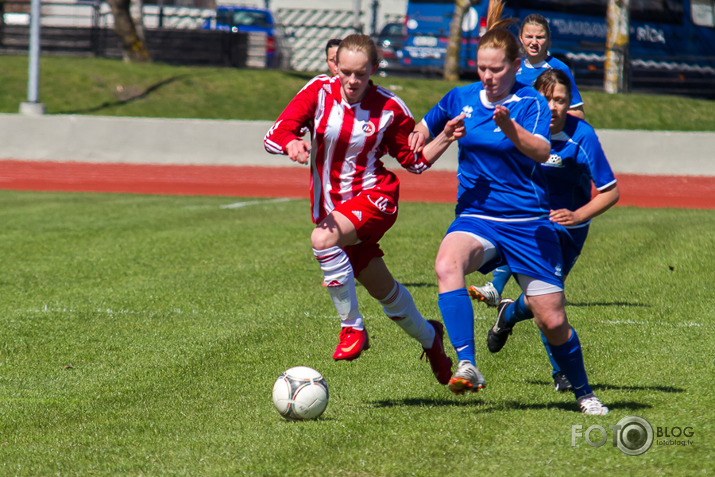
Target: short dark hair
(547,81)
(331,43)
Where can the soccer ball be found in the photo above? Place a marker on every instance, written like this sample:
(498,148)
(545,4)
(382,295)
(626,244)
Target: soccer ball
(300,393)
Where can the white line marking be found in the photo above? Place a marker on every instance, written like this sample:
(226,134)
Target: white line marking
(237,205)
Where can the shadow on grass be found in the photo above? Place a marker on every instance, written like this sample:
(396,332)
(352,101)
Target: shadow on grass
(482,407)
(121,102)
(607,387)
(426,402)
(614,303)
(570,405)
(419,285)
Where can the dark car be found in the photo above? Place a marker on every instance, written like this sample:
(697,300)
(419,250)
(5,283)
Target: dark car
(253,19)
(389,41)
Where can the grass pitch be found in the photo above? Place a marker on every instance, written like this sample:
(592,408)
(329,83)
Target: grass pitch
(141,335)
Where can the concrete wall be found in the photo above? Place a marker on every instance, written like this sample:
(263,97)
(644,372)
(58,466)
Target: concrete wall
(192,141)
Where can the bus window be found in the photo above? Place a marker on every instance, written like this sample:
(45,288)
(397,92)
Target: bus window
(582,7)
(659,11)
(703,12)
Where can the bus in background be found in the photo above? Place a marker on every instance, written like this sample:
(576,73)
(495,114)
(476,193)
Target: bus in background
(427,24)
(672,43)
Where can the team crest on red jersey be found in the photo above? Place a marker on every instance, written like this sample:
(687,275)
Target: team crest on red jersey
(368,128)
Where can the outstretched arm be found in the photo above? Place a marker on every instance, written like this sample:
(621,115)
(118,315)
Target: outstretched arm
(532,146)
(453,130)
(603,201)
(419,137)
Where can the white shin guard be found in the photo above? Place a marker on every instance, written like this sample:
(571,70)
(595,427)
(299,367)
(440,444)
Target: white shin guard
(340,281)
(400,307)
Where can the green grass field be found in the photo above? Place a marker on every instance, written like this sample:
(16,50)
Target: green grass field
(112,88)
(141,335)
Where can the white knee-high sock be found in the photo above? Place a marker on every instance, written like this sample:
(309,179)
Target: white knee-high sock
(401,309)
(340,280)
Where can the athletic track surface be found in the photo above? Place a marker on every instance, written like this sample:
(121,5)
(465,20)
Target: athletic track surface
(655,191)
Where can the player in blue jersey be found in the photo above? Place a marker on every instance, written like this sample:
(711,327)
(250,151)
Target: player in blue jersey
(577,161)
(535,37)
(502,212)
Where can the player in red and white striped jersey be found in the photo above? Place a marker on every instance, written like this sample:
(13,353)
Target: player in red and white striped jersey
(354,197)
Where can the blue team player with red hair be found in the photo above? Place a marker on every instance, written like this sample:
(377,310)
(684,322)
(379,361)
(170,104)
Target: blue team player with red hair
(577,161)
(502,213)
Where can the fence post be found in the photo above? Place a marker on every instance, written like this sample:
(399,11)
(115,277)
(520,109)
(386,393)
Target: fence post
(32,106)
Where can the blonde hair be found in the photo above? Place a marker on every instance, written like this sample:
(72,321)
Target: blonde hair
(497,35)
(358,42)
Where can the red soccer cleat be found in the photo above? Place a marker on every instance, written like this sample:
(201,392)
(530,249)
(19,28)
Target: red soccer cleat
(351,345)
(441,364)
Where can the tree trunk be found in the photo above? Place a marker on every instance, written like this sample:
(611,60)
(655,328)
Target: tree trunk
(132,46)
(617,58)
(451,58)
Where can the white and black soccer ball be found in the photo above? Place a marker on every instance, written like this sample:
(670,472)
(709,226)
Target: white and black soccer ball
(300,393)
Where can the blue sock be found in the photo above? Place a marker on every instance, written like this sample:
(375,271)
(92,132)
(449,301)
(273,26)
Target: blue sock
(458,317)
(500,276)
(569,358)
(554,366)
(517,311)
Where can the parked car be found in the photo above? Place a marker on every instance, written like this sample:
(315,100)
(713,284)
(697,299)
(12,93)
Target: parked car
(253,19)
(389,40)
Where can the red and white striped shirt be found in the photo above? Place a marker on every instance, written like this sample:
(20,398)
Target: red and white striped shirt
(348,141)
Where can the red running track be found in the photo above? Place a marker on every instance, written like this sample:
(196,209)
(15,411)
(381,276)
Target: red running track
(693,192)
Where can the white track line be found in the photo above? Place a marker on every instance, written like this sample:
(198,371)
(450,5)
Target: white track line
(238,205)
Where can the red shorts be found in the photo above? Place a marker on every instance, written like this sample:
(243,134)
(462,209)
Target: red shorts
(372,215)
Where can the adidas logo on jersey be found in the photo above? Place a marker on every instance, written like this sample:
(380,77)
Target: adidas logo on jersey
(467,111)
(358,214)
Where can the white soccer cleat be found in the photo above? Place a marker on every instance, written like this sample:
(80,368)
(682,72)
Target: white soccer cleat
(591,406)
(486,294)
(467,378)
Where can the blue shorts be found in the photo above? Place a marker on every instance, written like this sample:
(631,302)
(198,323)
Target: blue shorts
(572,241)
(532,248)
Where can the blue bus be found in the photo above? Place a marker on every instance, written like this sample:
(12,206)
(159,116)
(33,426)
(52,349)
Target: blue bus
(672,43)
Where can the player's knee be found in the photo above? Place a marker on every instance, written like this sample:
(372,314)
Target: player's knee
(555,327)
(321,239)
(446,268)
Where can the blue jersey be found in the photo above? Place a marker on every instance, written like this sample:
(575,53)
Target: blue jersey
(577,160)
(528,73)
(496,180)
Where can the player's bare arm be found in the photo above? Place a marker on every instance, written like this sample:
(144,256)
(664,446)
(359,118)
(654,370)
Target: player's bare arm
(453,130)
(533,146)
(603,201)
(419,137)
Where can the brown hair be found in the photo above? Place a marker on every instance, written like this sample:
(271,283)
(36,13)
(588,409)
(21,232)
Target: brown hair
(358,42)
(539,20)
(497,35)
(547,81)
